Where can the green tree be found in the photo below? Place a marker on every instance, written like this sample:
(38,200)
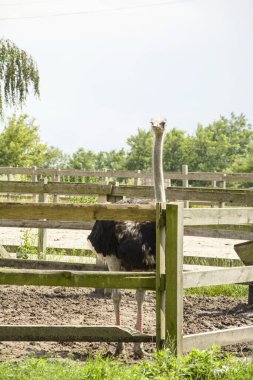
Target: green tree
(113,160)
(18,73)
(140,155)
(177,150)
(20,143)
(219,145)
(55,158)
(83,159)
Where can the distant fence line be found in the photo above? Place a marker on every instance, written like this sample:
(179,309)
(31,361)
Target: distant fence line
(184,175)
(108,191)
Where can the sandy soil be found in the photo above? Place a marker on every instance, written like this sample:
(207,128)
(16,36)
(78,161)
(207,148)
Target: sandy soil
(43,305)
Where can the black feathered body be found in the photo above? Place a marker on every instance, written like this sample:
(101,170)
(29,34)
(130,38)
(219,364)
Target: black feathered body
(133,243)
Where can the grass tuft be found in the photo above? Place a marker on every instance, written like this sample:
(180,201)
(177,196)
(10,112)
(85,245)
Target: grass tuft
(198,365)
(231,290)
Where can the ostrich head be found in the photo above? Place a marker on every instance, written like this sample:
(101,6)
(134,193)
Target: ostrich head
(158,125)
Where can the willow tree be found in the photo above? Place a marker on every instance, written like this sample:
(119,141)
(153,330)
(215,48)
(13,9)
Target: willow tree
(18,75)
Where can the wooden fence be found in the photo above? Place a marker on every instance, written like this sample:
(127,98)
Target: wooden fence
(168,281)
(216,179)
(230,197)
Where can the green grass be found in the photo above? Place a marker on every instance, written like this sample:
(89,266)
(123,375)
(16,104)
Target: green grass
(233,290)
(198,365)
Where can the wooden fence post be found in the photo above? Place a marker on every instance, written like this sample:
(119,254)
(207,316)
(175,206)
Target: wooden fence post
(214,184)
(174,276)
(42,232)
(9,178)
(222,186)
(168,182)
(35,179)
(137,180)
(160,271)
(102,199)
(185,182)
(105,181)
(57,178)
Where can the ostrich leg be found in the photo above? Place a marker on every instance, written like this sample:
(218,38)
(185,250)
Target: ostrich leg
(116,297)
(114,265)
(138,346)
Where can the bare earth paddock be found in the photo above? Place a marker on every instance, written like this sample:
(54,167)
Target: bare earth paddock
(51,305)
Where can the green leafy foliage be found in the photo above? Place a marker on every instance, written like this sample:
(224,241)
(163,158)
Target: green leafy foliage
(177,150)
(20,145)
(198,365)
(18,73)
(27,244)
(217,146)
(83,159)
(140,155)
(113,160)
(55,158)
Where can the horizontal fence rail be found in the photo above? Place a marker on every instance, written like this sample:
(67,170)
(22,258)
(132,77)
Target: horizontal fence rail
(50,265)
(124,280)
(222,276)
(91,212)
(77,212)
(221,337)
(71,333)
(230,196)
(197,176)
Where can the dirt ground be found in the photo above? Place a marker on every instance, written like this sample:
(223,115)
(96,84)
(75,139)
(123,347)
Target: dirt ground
(54,305)
(47,305)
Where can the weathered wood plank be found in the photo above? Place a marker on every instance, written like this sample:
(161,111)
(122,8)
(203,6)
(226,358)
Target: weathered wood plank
(52,265)
(191,267)
(235,275)
(3,252)
(233,227)
(123,280)
(245,252)
(174,276)
(209,216)
(70,333)
(199,176)
(230,196)
(42,232)
(220,337)
(160,273)
(47,224)
(61,265)
(76,212)
(54,188)
(219,233)
(88,212)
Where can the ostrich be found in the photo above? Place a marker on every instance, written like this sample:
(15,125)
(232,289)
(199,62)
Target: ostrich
(131,246)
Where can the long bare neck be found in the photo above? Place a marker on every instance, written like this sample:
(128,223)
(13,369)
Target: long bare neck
(158,168)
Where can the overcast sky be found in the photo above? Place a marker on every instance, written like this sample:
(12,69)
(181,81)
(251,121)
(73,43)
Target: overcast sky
(107,67)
